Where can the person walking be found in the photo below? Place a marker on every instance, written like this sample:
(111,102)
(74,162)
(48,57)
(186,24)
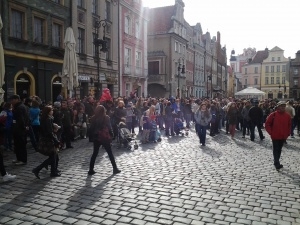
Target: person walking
(278,125)
(202,118)
(48,140)
(233,116)
(102,136)
(20,128)
(246,118)
(5,176)
(256,117)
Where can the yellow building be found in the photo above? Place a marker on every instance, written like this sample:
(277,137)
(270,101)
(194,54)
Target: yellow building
(273,75)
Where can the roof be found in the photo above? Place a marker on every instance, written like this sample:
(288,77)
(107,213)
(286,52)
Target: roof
(276,48)
(250,91)
(260,56)
(160,19)
(156,53)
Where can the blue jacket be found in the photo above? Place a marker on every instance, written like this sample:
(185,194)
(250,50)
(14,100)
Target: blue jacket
(34,114)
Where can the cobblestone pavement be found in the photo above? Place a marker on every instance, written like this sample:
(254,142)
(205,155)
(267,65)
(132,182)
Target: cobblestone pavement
(172,182)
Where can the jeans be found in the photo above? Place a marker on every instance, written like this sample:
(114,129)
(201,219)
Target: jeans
(188,120)
(293,126)
(2,168)
(201,131)
(20,141)
(107,147)
(169,126)
(252,130)
(245,127)
(8,138)
(277,147)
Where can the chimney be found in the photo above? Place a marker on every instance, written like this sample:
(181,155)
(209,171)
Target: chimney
(218,37)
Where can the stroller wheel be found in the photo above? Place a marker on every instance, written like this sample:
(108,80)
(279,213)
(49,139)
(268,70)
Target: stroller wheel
(129,147)
(159,140)
(136,146)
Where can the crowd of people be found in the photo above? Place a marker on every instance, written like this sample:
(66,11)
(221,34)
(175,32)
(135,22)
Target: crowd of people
(61,122)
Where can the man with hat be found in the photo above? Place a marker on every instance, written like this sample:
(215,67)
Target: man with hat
(20,128)
(278,125)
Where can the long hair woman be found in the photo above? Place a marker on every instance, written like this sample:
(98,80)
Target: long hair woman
(100,123)
(202,118)
(48,140)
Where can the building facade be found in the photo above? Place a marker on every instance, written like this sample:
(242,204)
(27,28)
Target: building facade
(294,77)
(275,81)
(33,35)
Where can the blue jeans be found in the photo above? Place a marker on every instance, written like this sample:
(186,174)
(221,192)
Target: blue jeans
(277,147)
(201,131)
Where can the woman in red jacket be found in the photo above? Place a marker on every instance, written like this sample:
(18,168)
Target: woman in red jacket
(278,126)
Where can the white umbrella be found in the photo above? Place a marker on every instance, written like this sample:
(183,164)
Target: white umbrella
(70,68)
(2,65)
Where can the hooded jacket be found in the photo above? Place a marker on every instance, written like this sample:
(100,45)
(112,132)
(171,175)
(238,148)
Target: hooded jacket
(278,125)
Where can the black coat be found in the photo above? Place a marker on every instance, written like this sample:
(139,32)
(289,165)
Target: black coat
(20,119)
(256,114)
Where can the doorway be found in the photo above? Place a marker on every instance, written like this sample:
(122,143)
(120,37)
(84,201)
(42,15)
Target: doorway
(23,86)
(56,88)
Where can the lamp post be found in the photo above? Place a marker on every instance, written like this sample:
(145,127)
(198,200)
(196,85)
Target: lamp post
(182,70)
(97,43)
(208,78)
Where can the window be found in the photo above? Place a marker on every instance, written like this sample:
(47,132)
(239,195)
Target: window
(283,68)
(153,68)
(80,3)
(81,40)
(176,46)
(278,69)
(137,29)
(39,30)
(245,70)
(127,87)
(277,80)
(255,81)
(184,50)
(138,58)
(127,24)
(95,6)
(57,31)
(272,80)
(246,81)
(296,71)
(108,11)
(57,1)
(108,45)
(278,59)
(267,69)
(94,47)
(127,57)
(256,70)
(283,80)
(266,80)
(17,24)
(179,49)
(272,69)
(295,82)
(273,59)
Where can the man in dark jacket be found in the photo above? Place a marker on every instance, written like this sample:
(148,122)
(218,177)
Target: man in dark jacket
(20,127)
(67,122)
(256,116)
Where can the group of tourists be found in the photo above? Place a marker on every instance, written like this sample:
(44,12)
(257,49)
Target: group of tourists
(52,127)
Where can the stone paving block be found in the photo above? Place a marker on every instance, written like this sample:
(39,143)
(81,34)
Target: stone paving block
(40,221)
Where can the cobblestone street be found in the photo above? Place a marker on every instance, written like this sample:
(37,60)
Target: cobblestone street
(172,182)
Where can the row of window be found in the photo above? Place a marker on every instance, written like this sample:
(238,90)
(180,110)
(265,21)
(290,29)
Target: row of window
(179,47)
(128,58)
(128,28)
(272,80)
(18,28)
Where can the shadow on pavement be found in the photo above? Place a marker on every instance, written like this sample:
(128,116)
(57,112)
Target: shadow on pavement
(294,176)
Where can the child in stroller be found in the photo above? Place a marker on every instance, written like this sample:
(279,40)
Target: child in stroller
(178,127)
(124,136)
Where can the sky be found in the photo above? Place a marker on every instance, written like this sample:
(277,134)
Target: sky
(242,24)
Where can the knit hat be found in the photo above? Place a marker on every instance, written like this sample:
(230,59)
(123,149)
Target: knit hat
(281,103)
(56,104)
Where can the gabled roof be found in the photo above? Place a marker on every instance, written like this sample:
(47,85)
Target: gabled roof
(260,56)
(276,48)
(160,19)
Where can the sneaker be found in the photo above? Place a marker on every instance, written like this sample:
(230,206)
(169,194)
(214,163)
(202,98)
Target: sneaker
(292,136)
(116,171)
(14,161)
(8,177)
(243,136)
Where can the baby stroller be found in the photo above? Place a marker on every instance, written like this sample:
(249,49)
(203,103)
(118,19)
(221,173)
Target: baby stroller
(179,128)
(125,137)
(155,135)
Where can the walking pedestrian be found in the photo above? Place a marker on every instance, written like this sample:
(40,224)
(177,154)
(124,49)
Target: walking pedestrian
(48,140)
(202,118)
(256,117)
(102,136)
(233,116)
(5,176)
(278,125)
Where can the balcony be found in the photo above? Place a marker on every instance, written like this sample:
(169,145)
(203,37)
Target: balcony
(157,79)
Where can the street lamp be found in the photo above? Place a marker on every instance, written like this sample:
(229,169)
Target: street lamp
(97,43)
(180,68)
(208,78)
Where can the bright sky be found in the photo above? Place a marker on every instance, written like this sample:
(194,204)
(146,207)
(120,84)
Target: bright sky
(242,24)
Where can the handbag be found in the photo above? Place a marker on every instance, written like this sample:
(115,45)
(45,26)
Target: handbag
(103,135)
(46,146)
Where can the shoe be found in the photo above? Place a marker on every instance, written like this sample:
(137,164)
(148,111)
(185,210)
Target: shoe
(116,171)
(8,177)
(279,167)
(20,163)
(243,136)
(292,136)
(84,137)
(202,144)
(69,147)
(14,161)
(46,167)
(36,173)
(262,138)
(55,174)
(252,139)
(91,172)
